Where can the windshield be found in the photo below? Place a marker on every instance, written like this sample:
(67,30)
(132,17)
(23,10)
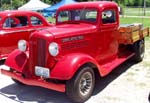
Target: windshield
(86,15)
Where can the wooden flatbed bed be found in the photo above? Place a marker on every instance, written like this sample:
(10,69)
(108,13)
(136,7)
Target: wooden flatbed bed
(130,33)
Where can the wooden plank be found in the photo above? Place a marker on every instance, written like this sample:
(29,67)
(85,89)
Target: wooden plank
(144,32)
(135,36)
(130,28)
(132,33)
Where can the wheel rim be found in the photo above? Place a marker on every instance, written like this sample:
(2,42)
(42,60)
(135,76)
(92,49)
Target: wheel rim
(85,83)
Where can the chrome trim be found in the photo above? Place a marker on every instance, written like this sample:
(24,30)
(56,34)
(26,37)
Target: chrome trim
(17,31)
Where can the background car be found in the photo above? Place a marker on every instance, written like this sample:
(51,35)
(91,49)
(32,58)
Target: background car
(16,25)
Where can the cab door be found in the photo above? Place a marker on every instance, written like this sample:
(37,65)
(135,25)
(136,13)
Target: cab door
(108,32)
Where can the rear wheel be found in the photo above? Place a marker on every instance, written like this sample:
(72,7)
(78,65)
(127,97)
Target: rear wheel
(81,86)
(139,50)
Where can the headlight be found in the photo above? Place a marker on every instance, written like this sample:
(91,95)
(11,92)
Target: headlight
(22,45)
(53,49)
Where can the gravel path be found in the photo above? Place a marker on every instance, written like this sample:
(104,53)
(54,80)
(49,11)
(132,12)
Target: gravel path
(129,83)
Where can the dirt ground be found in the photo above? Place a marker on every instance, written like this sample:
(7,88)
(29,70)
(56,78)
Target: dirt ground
(129,83)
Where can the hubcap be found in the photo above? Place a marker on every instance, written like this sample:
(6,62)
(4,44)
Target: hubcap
(85,83)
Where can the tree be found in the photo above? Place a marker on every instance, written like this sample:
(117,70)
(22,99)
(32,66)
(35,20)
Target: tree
(17,3)
(6,4)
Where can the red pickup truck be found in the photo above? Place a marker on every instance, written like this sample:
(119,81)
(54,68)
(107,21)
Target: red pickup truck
(86,40)
(16,25)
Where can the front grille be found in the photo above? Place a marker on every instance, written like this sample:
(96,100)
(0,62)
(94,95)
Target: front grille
(41,52)
(37,53)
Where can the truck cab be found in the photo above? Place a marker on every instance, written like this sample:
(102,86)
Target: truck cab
(86,40)
(99,25)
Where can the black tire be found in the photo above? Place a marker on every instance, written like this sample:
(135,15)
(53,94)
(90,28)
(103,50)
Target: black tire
(16,81)
(149,97)
(139,50)
(81,86)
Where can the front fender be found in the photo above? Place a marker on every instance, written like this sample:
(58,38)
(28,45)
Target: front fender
(69,64)
(17,60)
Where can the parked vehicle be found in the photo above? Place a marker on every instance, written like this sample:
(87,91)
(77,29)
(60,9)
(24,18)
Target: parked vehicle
(16,25)
(86,40)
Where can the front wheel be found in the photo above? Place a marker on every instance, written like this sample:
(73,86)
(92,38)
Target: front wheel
(81,86)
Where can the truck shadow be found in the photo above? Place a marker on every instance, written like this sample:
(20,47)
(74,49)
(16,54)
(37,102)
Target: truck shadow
(101,83)
(22,93)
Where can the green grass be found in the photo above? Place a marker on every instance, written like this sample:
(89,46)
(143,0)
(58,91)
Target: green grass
(129,20)
(51,19)
(136,11)
(147,38)
(144,21)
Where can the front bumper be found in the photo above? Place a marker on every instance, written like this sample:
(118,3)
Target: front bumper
(34,82)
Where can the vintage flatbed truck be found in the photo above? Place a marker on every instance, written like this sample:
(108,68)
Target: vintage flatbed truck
(86,40)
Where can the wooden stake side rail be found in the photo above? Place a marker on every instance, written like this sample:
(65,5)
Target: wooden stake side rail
(132,33)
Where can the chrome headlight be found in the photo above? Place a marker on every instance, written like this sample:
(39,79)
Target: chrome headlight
(22,45)
(53,49)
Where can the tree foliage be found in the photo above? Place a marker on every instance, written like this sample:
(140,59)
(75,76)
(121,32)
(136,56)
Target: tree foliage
(14,4)
(133,2)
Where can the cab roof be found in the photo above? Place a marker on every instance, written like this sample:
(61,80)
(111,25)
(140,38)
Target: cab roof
(16,12)
(94,4)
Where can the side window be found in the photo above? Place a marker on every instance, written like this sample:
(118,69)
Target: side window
(23,20)
(7,23)
(35,21)
(108,16)
(11,22)
(17,21)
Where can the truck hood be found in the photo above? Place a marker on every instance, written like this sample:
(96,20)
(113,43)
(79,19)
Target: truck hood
(71,29)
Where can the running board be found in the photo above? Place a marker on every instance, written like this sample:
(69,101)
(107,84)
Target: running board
(108,67)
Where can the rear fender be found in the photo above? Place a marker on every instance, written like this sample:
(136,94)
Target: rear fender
(17,60)
(69,65)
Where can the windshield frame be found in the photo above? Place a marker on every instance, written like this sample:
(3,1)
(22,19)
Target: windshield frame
(77,21)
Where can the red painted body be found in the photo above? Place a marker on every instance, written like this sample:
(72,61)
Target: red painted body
(80,42)
(10,33)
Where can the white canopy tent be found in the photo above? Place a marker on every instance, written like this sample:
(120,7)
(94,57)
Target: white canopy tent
(34,5)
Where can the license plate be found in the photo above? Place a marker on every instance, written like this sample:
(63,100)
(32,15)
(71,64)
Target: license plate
(42,71)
